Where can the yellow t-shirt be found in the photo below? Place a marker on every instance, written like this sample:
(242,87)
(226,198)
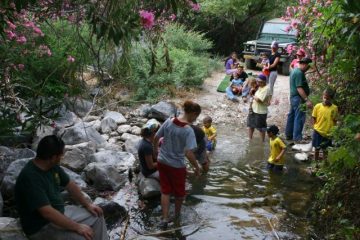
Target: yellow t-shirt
(263,94)
(325,117)
(276,146)
(209,131)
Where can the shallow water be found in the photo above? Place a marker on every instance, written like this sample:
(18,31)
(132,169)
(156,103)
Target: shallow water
(237,199)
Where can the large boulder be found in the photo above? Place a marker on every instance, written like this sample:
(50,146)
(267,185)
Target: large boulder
(113,212)
(143,110)
(8,155)
(80,133)
(132,143)
(148,187)
(96,124)
(76,178)
(162,111)
(79,106)
(124,129)
(108,125)
(116,116)
(66,119)
(122,161)
(77,157)
(10,229)
(104,176)
(12,172)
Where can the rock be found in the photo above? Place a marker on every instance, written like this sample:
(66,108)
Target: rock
(66,119)
(302,147)
(120,160)
(10,229)
(8,155)
(122,95)
(131,144)
(135,130)
(104,176)
(114,140)
(143,110)
(82,133)
(96,124)
(113,147)
(11,174)
(112,211)
(301,157)
(108,125)
(124,129)
(96,92)
(162,111)
(79,106)
(1,205)
(41,131)
(77,156)
(148,187)
(105,136)
(126,136)
(116,116)
(76,178)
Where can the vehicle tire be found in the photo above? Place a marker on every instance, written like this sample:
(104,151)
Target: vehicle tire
(285,68)
(250,64)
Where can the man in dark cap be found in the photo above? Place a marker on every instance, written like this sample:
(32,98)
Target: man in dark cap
(299,94)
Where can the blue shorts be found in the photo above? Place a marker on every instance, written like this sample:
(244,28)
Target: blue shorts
(320,142)
(276,168)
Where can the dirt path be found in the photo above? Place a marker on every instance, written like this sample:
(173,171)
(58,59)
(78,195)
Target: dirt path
(223,111)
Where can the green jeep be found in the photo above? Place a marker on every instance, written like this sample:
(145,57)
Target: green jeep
(272,30)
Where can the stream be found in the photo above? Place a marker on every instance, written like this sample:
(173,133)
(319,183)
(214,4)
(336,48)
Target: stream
(238,199)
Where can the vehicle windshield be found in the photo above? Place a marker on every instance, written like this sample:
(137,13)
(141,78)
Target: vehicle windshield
(277,28)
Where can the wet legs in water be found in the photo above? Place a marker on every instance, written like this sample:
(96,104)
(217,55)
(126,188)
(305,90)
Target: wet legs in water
(251,133)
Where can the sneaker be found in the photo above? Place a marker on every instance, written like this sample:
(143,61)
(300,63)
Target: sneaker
(301,142)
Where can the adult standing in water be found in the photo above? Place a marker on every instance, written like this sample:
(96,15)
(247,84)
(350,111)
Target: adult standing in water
(274,60)
(179,142)
(258,109)
(299,94)
(231,63)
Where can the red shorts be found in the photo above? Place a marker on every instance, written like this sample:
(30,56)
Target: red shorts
(172,180)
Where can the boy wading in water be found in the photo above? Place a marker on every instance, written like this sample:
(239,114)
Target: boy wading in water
(324,115)
(277,149)
(179,141)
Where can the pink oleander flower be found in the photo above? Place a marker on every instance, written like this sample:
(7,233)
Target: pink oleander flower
(21,66)
(328,3)
(294,24)
(29,24)
(194,6)
(21,40)
(49,53)
(38,31)
(12,5)
(11,25)
(288,28)
(172,17)
(147,19)
(70,59)
(289,49)
(10,35)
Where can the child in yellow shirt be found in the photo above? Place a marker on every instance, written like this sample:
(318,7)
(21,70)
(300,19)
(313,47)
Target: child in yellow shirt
(324,115)
(210,132)
(276,159)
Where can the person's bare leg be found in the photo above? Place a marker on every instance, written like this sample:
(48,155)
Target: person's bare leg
(165,204)
(251,133)
(178,205)
(262,135)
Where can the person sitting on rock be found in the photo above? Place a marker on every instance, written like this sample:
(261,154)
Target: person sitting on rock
(148,162)
(200,152)
(43,214)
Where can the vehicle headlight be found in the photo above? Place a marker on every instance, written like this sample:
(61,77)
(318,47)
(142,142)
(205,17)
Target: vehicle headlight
(252,48)
(280,50)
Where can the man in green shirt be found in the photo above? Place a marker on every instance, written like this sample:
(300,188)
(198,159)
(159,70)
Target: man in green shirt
(43,214)
(299,92)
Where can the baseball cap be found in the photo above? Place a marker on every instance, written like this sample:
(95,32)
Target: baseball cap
(274,44)
(261,77)
(305,60)
(152,125)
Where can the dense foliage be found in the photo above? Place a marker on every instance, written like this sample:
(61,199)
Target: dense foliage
(330,33)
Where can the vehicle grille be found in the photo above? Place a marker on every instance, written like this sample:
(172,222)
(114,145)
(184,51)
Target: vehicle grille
(263,47)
